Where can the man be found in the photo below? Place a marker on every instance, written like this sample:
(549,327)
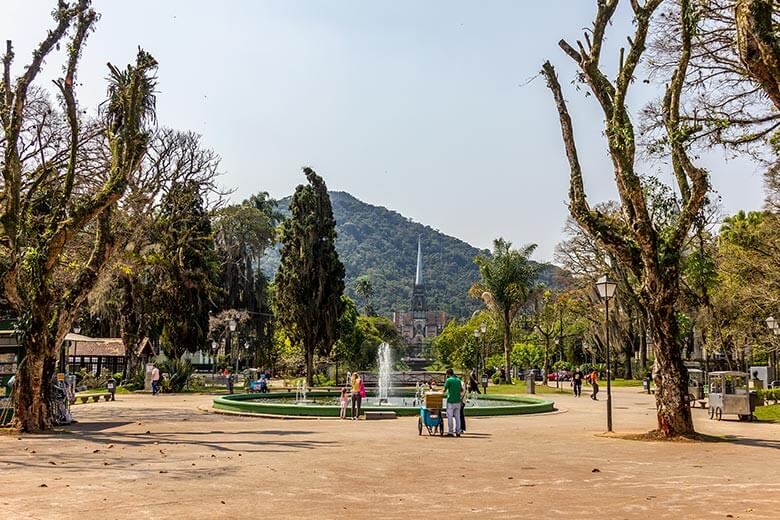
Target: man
(452,391)
(594,382)
(155,380)
(576,381)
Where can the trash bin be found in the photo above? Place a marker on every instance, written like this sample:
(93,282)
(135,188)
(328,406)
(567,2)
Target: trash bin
(111,387)
(646,384)
(530,382)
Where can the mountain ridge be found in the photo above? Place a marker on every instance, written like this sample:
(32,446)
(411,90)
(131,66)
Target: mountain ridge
(382,244)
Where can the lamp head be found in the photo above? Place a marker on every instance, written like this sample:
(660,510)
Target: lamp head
(606,287)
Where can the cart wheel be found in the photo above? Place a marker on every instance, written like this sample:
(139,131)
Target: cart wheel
(419,426)
(718,413)
(712,412)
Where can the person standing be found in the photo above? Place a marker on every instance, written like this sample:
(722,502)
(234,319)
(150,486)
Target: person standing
(357,398)
(594,383)
(576,381)
(343,400)
(473,383)
(463,395)
(452,390)
(155,380)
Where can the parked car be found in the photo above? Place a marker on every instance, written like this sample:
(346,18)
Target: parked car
(775,384)
(537,373)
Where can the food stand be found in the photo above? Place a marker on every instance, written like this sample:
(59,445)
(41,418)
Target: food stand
(729,394)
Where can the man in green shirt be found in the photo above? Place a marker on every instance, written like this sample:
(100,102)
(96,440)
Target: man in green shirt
(452,391)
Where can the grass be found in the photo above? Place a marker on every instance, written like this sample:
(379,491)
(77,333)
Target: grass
(565,387)
(119,390)
(769,413)
(624,382)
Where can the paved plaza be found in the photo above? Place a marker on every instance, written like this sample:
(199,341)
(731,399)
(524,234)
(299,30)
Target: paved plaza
(165,457)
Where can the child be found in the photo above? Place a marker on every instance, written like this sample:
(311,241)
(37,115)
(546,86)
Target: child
(344,399)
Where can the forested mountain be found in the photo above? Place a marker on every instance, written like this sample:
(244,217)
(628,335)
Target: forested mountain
(382,244)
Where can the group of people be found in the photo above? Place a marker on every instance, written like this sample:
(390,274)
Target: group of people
(592,377)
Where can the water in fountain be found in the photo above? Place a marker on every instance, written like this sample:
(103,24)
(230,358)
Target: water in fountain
(300,393)
(385,362)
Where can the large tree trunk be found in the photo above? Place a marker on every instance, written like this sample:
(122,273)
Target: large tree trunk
(33,386)
(669,372)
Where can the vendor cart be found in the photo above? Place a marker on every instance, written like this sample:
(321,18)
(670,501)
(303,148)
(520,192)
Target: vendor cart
(695,387)
(729,394)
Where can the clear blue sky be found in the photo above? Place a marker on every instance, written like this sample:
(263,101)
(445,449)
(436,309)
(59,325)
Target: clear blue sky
(416,106)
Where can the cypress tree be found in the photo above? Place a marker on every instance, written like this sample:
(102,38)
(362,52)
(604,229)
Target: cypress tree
(310,280)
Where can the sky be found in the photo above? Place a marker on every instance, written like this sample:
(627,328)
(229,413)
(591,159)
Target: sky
(433,109)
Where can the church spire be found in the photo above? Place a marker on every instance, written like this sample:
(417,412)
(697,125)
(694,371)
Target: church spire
(418,279)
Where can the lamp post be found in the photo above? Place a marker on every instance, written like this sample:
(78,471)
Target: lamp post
(214,347)
(232,328)
(606,288)
(774,326)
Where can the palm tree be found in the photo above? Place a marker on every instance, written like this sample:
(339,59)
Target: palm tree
(508,278)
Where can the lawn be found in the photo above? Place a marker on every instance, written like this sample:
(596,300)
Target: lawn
(769,413)
(565,388)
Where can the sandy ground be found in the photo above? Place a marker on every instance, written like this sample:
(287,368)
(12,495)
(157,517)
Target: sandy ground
(163,457)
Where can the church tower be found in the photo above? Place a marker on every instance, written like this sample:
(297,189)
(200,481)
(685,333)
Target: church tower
(419,306)
(419,325)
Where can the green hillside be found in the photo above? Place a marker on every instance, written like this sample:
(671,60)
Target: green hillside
(380,243)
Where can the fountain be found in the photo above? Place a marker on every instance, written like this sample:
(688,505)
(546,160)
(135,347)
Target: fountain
(300,393)
(405,401)
(385,363)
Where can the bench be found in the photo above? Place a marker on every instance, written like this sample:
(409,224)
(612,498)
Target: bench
(380,415)
(95,397)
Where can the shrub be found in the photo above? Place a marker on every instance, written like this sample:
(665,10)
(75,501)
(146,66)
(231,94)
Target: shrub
(89,380)
(496,378)
(179,372)
(769,394)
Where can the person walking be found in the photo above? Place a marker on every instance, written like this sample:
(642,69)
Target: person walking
(473,382)
(593,378)
(576,381)
(357,398)
(155,380)
(452,391)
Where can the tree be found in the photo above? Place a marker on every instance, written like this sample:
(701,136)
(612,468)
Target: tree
(186,269)
(242,234)
(57,198)
(126,293)
(507,279)
(652,255)
(365,291)
(310,280)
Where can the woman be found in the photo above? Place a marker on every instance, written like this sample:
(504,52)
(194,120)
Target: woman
(357,399)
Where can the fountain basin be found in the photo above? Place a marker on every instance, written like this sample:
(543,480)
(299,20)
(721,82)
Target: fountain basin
(326,405)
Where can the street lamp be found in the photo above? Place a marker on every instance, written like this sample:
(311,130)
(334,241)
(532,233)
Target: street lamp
(774,326)
(214,346)
(477,334)
(558,372)
(606,288)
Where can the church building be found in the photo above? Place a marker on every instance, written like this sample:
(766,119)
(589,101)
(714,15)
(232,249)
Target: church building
(419,324)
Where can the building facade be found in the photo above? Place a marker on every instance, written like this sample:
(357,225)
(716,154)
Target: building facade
(419,324)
